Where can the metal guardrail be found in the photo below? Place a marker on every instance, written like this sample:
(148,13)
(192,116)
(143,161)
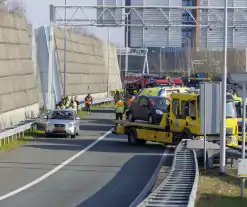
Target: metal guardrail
(180,186)
(235,152)
(192,198)
(15,132)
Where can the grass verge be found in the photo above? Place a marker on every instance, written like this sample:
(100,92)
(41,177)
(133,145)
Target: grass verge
(219,191)
(16,142)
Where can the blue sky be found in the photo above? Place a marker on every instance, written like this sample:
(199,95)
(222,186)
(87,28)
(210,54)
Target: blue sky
(38,15)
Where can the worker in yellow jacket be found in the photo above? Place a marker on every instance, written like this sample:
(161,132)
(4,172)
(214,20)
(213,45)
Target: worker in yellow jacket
(119,109)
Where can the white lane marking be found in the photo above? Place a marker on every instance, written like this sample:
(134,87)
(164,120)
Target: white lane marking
(43,177)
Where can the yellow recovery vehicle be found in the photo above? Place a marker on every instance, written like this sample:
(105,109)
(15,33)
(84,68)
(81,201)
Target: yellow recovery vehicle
(182,121)
(238,104)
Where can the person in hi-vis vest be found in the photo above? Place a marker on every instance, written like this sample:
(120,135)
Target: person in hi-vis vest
(88,103)
(119,110)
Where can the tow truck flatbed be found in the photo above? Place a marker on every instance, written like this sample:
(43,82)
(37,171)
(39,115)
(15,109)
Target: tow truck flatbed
(139,133)
(126,123)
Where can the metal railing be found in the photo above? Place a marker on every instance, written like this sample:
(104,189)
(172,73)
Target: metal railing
(234,153)
(14,132)
(180,186)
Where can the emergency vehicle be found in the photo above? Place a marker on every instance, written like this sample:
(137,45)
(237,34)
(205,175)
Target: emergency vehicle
(138,82)
(238,104)
(196,79)
(163,92)
(182,121)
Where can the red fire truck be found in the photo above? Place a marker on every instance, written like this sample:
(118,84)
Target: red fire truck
(140,81)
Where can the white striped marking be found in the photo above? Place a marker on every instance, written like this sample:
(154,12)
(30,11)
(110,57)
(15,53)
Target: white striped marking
(54,170)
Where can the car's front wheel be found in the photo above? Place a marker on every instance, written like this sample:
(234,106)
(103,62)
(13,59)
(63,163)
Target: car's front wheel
(73,135)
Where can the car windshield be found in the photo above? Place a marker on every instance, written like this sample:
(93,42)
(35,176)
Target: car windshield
(64,115)
(239,109)
(231,110)
(160,101)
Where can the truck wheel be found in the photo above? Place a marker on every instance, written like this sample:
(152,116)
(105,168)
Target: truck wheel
(73,135)
(132,137)
(187,135)
(141,141)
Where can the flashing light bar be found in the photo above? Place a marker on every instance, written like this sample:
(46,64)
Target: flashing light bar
(192,90)
(200,79)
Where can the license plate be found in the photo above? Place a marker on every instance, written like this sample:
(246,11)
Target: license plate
(60,129)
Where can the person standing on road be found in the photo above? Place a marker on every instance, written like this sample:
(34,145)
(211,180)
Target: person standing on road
(117,96)
(74,106)
(131,99)
(77,102)
(88,103)
(119,110)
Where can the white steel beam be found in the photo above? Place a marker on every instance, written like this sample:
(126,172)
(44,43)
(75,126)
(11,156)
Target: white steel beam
(113,20)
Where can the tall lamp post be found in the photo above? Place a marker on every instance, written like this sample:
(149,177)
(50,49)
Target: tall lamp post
(161,66)
(65,52)
(224,83)
(188,56)
(127,44)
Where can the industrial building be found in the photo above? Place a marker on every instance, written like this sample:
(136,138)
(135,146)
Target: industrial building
(211,37)
(173,48)
(157,36)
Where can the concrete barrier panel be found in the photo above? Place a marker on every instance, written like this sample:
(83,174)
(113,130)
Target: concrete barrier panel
(18,88)
(87,64)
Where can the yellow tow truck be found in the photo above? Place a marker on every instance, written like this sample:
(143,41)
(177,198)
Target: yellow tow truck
(182,121)
(238,104)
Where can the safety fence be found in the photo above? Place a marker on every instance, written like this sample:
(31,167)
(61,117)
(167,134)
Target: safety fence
(15,132)
(180,187)
(234,153)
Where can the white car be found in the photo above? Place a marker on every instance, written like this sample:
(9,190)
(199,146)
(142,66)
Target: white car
(62,122)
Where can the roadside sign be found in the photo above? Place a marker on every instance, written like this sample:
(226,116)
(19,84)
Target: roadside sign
(242,168)
(210,113)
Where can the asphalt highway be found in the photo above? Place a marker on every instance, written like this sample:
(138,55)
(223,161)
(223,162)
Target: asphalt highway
(62,172)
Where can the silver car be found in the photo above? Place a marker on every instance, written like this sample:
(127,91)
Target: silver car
(62,122)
